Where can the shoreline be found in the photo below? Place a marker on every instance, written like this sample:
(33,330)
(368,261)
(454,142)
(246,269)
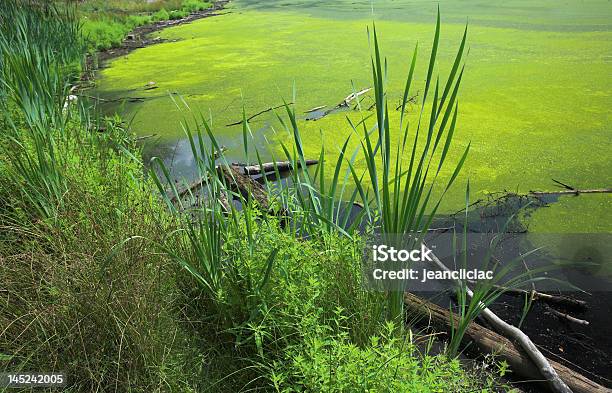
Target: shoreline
(139,37)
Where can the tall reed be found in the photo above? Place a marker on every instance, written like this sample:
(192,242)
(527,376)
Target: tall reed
(403,202)
(40,52)
(208,219)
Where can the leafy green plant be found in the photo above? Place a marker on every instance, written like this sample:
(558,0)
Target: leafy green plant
(160,15)
(104,33)
(194,5)
(329,362)
(178,14)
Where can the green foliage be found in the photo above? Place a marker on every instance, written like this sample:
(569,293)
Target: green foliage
(178,14)
(160,15)
(138,20)
(194,5)
(78,302)
(401,196)
(68,197)
(107,33)
(330,362)
(105,24)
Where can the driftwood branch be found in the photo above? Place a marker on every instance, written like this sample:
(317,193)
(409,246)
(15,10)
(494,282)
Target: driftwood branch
(281,166)
(342,104)
(566,317)
(128,99)
(543,365)
(257,114)
(144,137)
(316,108)
(347,100)
(409,100)
(544,297)
(563,185)
(572,192)
(486,341)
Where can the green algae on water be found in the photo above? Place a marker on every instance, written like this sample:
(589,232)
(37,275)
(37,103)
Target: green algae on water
(534,101)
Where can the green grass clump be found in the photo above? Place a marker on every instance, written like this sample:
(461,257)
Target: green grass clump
(138,20)
(178,14)
(68,196)
(106,318)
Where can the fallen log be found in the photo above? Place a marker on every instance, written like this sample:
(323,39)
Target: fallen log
(281,166)
(543,365)
(316,108)
(144,137)
(235,182)
(244,185)
(486,341)
(129,99)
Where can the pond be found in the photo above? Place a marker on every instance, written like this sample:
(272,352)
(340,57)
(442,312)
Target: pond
(534,103)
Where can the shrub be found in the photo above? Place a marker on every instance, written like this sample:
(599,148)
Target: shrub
(194,5)
(178,14)
(138,20)
(160,15)
(103,34)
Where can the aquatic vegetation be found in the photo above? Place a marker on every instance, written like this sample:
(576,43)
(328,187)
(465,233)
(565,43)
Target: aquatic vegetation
(532,93)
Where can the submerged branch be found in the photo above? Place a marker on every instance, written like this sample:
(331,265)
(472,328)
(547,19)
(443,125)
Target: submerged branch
(572,192)
(544,297)
(567,317)
(257,114)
